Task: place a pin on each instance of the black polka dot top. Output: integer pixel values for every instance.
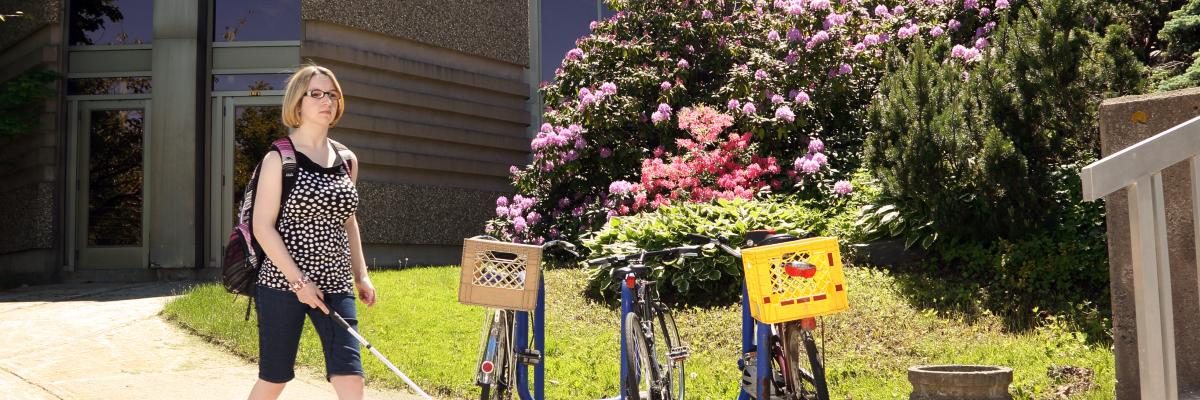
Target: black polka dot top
(312, 224)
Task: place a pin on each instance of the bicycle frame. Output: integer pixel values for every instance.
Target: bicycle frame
(518, 343)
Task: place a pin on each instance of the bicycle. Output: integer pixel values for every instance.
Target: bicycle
(652, 360)
(504, 352)
(775, 350)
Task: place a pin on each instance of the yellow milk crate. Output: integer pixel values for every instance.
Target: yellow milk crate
(500, 274)
(781, 288)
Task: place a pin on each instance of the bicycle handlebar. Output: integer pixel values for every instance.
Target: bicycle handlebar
(563, 245)
(722, 242)
(682, 251)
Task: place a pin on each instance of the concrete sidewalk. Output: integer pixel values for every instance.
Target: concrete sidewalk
(107, 341)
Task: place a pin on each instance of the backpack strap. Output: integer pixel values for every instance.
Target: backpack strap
(346, 155)
(287, 154)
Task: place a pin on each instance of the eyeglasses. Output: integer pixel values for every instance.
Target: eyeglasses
(318, 94)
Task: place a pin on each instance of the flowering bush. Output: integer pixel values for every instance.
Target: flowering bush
(647, 95)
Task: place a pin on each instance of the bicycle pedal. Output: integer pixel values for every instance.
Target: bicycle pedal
(679, 353)
(529, 357)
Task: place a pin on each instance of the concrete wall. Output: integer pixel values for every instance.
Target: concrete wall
(29, 178)
(436, 131)
(1118, 130)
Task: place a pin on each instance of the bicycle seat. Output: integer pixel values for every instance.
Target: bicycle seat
(763, 238)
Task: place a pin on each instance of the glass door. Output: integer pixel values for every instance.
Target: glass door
(110, 184)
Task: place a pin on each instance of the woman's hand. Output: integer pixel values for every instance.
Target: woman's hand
(366, 291)
(312, 296)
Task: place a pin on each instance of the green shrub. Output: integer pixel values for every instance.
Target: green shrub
(22, 99)
(713, 277)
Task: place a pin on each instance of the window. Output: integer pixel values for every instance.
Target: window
(564, 21)
(249, 82)
(111, 22)
(256, 20)
(100, 86)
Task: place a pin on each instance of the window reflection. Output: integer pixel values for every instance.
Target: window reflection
(256, 20)
(254, 128)
(118, 85)
(115, 178)
(249, 82)
(111, 22)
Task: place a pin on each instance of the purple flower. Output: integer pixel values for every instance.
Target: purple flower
(519, 224)
(1001, 4)
(958, 51)
(587, 100)
(605, 152)
(820, 158)
(553, 233)
(791, 57)
(908, 31)
(970, 4)
(806, 165)
(592, 25)
(785, 113)
(574, 54)
(815, 145)
(793, 35)
(664, 108)
(871, 39)
(936, 31)
(818, 4)
(954, 25)
(665, 86)
(899, 9)
(620, 187)
(580, 143)
(981, 43)
(575, 129)
(512, 169)
(760, 75)
(817, 38)
(776, 99)
(662, 114)
(802, 98)
(882, 11)
(564, 202)
(842, 188)
(533, 218)
(682, 64)
(502, 201)
(734, 104)
(546, 127)
(608, 88)
(501, 211)
(984, 12)
(577, 212)
(706, 14)
(773, 35)
(845, 69)
(749, 109)
(834, 19)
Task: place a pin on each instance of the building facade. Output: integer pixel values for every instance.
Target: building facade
(164, 106)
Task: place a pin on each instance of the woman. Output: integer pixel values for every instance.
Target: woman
(314, 252)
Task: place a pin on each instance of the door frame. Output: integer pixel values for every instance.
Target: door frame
(80, 256)
(220, 164)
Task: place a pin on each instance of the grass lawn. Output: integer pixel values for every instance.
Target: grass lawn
(421, 327)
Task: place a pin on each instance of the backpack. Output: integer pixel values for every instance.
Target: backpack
(243, 255)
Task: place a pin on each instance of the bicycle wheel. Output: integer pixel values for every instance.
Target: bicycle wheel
(501, 374)
(640, 375)
(798, 346)
(666, 340)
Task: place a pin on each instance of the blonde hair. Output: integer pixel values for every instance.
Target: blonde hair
(298, 85)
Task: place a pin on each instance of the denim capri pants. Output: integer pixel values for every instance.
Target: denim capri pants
(280, 321)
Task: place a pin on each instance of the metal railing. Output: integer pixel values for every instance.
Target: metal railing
(1139, 168)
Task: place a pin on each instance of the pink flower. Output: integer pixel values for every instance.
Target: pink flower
(574, 54)
(605, 152)
(785, 113)
(958, 51)
(760, 75)
(546, 127)
(815, 145)
(871, 39)
(817, 38)
(981, 43)
(899, 9)
(533, 218)
(620, 187)
(776, 99)
(734, 104)
(608, 88)
(1001, 4)
(954, 25)
(936, 31)
(501, 211)
(882, 11)
(682, 64)
(793, 35)
(820, 159)
(818, 4)
(706, 14)
(834, 20)
(501, 201)
(749, 109)
(802, 98)
(665, 85)
(773, 35)
(984, 12)
(519, 224)
(842, 188)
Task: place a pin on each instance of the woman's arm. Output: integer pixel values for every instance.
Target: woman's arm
(266, 212)
(358, 262)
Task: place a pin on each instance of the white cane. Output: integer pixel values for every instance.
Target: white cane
(377, 354)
